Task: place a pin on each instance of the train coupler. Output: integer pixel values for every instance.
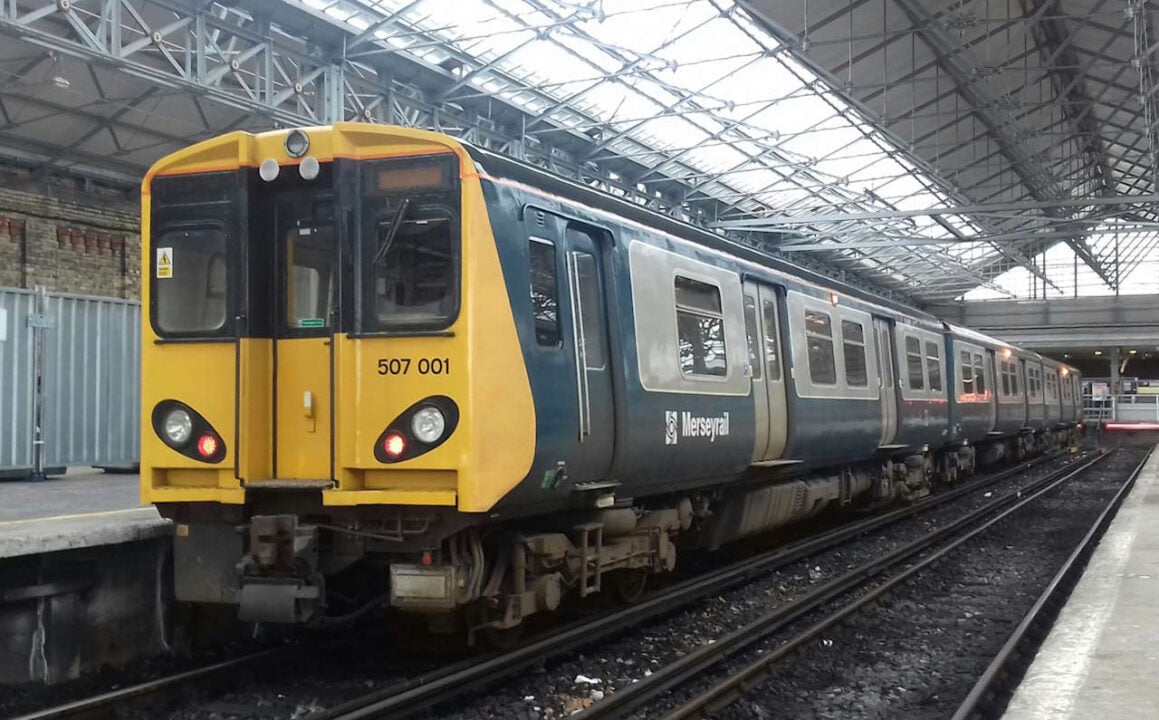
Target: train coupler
(280, 581)
(289, 600)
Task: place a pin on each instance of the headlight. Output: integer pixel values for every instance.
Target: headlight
(297, 143)
(178, 427)
(428, 424)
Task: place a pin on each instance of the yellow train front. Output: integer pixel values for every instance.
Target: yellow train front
(314, 315)
(340, 413)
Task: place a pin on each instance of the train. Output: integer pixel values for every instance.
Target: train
(385, 370)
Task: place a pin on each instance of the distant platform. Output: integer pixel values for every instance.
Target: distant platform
(82, 508)
(1102, 655)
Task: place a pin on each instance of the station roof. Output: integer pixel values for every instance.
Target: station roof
(924, 150)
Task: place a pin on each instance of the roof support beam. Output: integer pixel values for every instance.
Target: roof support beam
(773, 223)
(943, 48)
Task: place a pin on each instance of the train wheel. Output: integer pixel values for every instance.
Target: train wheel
(629, 585)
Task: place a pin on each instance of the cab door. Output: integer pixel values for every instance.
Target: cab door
(586, 293)
(304, 285)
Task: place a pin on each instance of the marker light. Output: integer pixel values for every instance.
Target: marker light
(428, 424)
(1065, 372)
(1006, 352)
(309, 167)
(178, 427)
(394, 444)
(297, 143)
(269, 170)
(207, 445)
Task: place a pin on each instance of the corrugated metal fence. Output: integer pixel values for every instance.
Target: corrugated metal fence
(86, 353)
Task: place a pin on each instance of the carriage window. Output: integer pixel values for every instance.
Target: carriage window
(591, 315)
(750, 329)
(934, 365)
(913, 361)
(979, 375)
(700, 326)
(1013, 378)
(853, 343)
(544, 293)
(966, 372)
(414, 277)
(191, 294)
(769, 313)
(819, 336)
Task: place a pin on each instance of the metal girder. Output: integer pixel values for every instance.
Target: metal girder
(984, 108)
(1141, 24)
(782, 222)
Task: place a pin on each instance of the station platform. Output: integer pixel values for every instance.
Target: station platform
(82, 508)
(1100, 658)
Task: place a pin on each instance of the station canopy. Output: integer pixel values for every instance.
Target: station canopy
(926, 150)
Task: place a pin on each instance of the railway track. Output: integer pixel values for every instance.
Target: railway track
(991, 692)
(409, 701)
(419, 692)
(833, 602)
(158, 691)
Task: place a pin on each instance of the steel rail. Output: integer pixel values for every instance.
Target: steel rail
(106, 704)
(417, 694)
(979, 702)
(723, 693)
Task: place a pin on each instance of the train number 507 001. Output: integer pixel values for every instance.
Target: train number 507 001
(424, 366)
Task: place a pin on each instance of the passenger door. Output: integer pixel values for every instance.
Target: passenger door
(883, 340)
(586, 285)
(772, 426)
(305, 287)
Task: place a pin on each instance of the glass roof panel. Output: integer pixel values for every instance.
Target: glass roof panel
(696, 91)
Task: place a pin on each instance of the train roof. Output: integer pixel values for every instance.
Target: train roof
(501, 166)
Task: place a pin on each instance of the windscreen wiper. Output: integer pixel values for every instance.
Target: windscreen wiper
(395, 224)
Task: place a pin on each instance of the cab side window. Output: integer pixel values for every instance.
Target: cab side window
(544, 293)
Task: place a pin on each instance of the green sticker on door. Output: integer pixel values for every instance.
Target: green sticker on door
(311, 323)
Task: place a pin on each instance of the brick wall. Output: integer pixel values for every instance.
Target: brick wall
(70, 237)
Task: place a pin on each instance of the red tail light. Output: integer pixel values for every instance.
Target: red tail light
(207, 445)
(394, 444)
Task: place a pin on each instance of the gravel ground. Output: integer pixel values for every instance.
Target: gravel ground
(917, 653)
(347, 663)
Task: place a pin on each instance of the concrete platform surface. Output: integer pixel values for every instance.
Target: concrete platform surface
(1101, 659)
(80, 490)
(82, 508)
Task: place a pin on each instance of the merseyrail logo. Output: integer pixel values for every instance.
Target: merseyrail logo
(693, 426)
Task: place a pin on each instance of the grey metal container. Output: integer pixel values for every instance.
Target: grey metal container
(89, 397)
(16, 380)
